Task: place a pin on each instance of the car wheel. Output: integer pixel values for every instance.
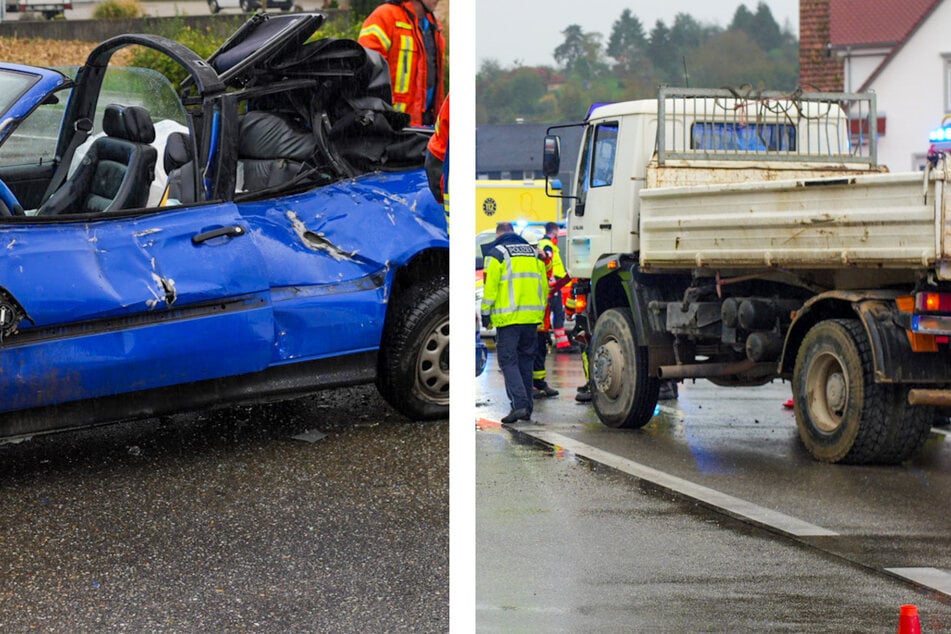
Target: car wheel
(413, 370)
(213, 6)
(624, 394)
(246, 6)
(842, 414)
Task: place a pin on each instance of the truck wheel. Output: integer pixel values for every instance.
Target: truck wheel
(413, 368)
(841, 413)
(624, 394)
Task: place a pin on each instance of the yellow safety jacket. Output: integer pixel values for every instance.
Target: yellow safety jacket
(516, 284)
(555, 265)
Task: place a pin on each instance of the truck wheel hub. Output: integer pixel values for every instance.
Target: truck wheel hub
(827, 392)
(607, 366)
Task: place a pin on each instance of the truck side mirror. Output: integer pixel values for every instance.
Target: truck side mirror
(551, 156)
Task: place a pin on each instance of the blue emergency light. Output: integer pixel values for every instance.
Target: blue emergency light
(940, 135)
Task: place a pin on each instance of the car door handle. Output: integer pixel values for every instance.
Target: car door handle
(232, 232)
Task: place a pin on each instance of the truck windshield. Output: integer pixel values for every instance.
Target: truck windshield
(749, 137)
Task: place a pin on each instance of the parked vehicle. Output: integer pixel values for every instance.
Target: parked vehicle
(248, 6)
(49, 9)
(289, 249)
(747, 238)
(515, 201)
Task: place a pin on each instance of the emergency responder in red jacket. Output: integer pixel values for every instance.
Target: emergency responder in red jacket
(437, 159)
(410, 37)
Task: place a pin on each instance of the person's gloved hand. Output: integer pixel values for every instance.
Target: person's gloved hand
(486, 321)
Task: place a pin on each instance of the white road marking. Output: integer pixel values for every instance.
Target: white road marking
(732, 505)
(935, 578)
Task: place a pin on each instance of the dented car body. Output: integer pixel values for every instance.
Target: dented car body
(303, 253)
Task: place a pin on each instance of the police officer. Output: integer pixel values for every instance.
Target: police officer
(513, 300)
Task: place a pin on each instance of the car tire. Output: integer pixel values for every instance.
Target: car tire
(413, 368)
(842, 414)
(213, 6)
(246, 6)
(624, 394)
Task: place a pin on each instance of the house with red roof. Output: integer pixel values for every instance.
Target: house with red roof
(898, 49)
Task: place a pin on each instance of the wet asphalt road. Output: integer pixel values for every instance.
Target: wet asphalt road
(565, 543)
(224, 522)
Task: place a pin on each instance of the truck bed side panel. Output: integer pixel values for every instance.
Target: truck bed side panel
(884, 220)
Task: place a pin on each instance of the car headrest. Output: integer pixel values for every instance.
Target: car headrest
(178, 151)
(132, 123)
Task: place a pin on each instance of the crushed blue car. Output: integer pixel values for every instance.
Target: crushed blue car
(262, 230)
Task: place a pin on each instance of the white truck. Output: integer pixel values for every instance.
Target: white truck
(49, 9)
(744, 238)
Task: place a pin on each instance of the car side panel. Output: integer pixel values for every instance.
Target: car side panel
(332, 254)
(124, 304)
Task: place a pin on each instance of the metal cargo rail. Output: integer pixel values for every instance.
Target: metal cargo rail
(747, 125)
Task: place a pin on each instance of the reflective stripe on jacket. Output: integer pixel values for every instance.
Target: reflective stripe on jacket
(516, 285)
(555, 266)
(393, 30)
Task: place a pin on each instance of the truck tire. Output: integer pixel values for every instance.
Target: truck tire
(842, 414)
(413, 367)
(624, 394)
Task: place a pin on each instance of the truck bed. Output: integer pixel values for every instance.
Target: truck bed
(891, 221)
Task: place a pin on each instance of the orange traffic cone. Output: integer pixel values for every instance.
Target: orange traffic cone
(908, 622)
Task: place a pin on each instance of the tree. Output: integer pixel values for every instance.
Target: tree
(506, 95)
(580, 53)
(628, 44)
(662, 53)
(749, 65)
(761, 27)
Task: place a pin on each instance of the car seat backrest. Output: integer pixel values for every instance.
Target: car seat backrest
(180, 166)
(116, 171)
(272, 149)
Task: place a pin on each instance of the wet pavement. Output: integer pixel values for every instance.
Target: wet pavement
(711, 518)
(226, 522)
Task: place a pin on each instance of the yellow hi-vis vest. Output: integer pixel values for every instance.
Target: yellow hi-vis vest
(556, 267)
(516, 285)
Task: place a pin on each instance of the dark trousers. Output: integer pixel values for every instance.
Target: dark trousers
(538, 365)
(557, 310)
(515, 347)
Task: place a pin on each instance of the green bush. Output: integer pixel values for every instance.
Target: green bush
(202, 42)
(114, 9)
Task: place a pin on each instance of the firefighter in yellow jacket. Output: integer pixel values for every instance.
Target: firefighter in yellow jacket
(513, 301)
(558, 280)
(410, 37)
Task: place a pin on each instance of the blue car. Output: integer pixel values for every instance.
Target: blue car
(260, 230)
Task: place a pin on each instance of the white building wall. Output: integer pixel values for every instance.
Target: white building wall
(858, 66)
(910, 92)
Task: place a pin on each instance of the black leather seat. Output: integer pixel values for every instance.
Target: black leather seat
(180, 167)
(272, 149)
(116, 171)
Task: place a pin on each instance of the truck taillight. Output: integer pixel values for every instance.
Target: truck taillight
(933, 303)
(581, 302)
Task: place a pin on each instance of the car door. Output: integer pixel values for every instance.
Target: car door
(118, 304)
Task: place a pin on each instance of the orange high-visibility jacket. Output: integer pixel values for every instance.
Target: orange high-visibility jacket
(393, 31)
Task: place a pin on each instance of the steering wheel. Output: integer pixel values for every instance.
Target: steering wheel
(9, 205)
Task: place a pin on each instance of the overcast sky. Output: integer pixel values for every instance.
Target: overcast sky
(528, 31)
